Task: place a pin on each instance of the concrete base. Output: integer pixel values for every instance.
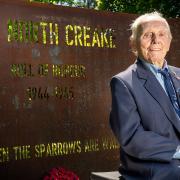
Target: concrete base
(113, 175)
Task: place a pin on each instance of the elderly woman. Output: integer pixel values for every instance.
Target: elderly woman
(145, 114)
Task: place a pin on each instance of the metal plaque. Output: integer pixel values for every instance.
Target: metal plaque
(55, 67)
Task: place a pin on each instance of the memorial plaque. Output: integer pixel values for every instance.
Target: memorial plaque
(55, 66)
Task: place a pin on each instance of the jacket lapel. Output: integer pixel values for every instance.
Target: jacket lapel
(157, 92)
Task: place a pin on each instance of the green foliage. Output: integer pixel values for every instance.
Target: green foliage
(169, 8)
(61, 2)
(74, 3)
(86, 3)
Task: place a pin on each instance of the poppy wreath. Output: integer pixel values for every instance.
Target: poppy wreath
(60, 173)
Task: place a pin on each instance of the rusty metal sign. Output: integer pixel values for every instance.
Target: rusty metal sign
(55, 67)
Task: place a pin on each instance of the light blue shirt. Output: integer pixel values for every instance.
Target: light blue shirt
(154, 69)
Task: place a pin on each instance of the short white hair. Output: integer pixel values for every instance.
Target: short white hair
(153, 16)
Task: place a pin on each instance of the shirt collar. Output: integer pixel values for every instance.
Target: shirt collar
(153, 68)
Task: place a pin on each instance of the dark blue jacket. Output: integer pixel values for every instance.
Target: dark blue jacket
(144, 122)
